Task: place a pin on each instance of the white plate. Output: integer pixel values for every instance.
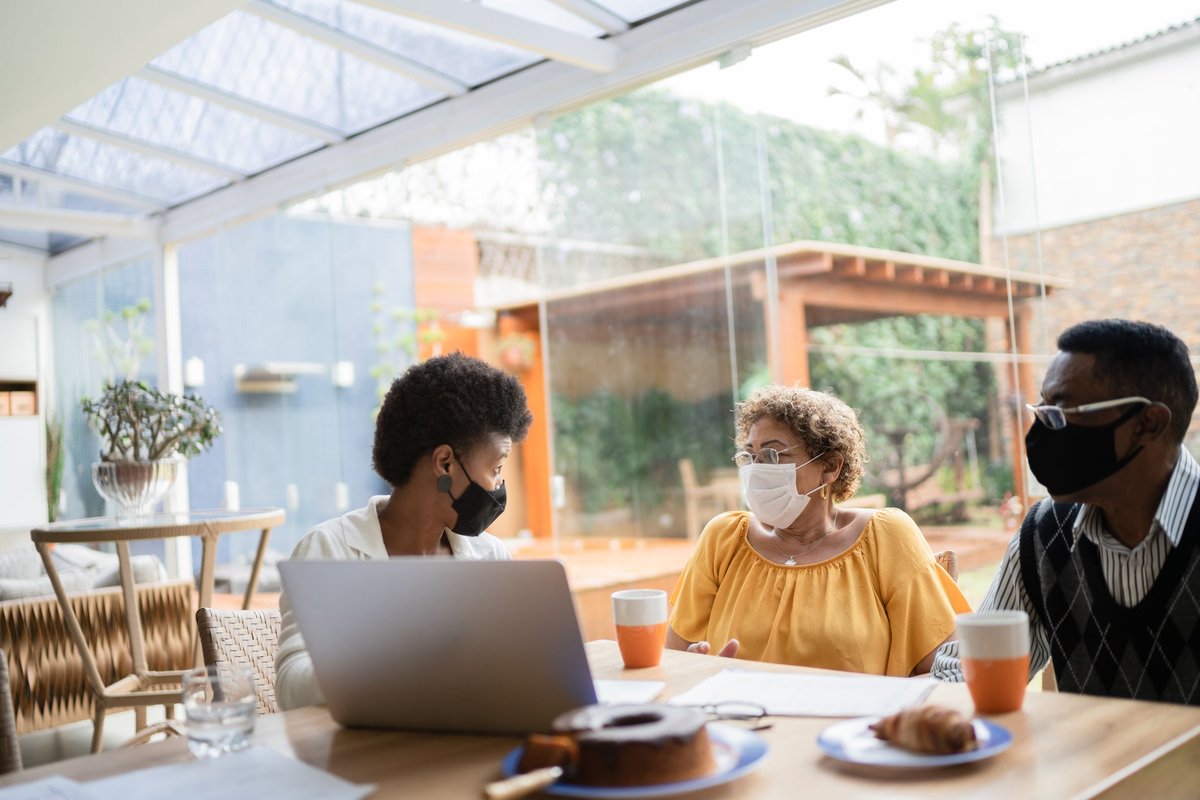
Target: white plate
(737, 751)
(854, 742)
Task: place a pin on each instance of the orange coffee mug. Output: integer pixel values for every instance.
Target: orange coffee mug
(994, 649)
(641, 619)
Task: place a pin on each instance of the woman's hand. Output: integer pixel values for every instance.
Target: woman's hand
(728, 651)
(677, 642)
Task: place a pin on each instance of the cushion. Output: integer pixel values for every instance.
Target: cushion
(21, 563)
(106, 566)
(146, 569)
(25, 588)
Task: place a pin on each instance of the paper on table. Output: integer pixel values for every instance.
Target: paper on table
(809, 695)
(614, 692)
(259, 772)
(53, 788)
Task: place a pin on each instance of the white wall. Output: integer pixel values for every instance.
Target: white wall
(22, 441)
(30, 296)
(1105, 141)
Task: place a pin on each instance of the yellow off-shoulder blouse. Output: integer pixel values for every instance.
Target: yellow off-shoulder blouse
(879, 607)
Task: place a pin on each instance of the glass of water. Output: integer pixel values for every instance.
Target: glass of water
(218, 705)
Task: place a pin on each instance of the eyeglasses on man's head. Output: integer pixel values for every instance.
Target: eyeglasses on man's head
(1055, 417)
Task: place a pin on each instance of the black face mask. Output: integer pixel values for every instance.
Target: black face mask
(477, 507)
(1077, 456)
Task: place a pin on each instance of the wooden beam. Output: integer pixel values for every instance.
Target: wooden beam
(808, 263)
(850, 267)
(908, 273)
(937, 277)
(898, 298)
(881, 270)
(962, 280)
(793, 338)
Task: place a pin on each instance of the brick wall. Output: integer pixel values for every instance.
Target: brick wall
(1143, 265)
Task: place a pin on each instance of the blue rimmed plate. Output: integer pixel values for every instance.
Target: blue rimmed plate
(854, 742)
(737, 751)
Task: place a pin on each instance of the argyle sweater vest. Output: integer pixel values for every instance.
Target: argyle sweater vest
(1150, 651)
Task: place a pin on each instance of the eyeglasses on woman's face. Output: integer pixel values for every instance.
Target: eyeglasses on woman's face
(765, 455)
(1055, 417)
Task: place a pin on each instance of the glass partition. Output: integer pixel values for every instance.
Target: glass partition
(284, 340)
(103, 329)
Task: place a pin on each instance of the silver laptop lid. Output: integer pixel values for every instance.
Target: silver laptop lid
(441, 644)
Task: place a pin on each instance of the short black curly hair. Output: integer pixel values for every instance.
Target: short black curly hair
(454, 399)
(1139, 358)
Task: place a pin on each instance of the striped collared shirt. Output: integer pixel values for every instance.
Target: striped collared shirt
(1129, 573)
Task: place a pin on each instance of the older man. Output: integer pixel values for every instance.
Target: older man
(1108, 567)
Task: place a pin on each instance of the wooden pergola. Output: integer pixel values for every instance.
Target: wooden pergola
(817, 284)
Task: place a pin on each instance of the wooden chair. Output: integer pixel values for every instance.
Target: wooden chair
(244, 639)
(949, 562)
(10, 748)
(722, 494)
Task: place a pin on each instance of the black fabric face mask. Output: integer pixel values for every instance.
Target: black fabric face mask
(1075, 457)
(477, 507)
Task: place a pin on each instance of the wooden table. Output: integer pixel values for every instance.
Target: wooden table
(1065, 746)
(145, 687)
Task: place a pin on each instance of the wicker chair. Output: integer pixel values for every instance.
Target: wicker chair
(10, 749)
(244, 639)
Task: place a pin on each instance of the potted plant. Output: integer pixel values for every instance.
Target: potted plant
(146, 433)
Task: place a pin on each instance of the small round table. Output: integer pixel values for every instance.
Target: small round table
(145, 687)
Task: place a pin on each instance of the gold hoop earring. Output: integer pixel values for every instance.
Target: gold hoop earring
(824, 492)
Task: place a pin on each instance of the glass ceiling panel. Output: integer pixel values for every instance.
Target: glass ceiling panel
(33, 193)
(64, 241)
(638, 10)
(155, 114)
(37, 240)
(249, 56)
(103, 164)
(546, 13)
(468, 59)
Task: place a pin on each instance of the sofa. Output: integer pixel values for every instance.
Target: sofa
(46, 675)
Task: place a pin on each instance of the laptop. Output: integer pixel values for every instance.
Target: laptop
(439, 644)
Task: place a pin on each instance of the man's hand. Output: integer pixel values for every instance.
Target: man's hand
(728, 651)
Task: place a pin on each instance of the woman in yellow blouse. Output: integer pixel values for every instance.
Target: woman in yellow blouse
(799, 580)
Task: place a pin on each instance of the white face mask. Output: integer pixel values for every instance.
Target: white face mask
(770, 492)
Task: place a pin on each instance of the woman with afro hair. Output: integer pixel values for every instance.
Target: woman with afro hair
(442, 436)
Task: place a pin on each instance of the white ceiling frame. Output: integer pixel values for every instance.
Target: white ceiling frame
(306, 26)
(46, 178)
(20, 251)
(244, 105)
(596, 55)
(147, 149)
(687, 38)
(78, 223)
(597, 15)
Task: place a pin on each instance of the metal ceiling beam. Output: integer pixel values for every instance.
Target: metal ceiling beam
(21, 252)
(307, 26)
(78, 223)
(683, 39)
(77, 186)
(147, 149)
(244, 105)
(596, 55)
(595, 14)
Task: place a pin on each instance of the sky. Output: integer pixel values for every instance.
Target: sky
(789, 78)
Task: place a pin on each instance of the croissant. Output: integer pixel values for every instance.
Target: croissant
(928, 729)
